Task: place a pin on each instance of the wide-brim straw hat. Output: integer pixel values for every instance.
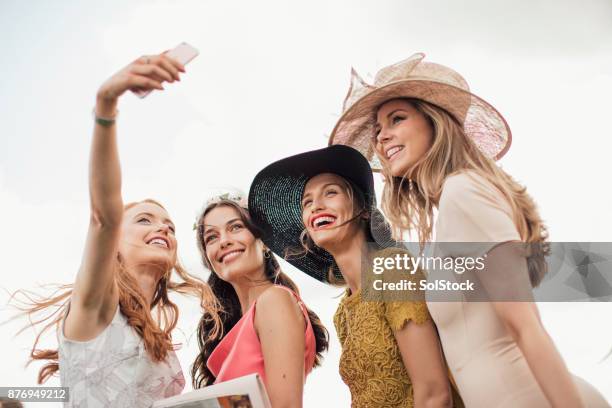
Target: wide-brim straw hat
(275, 205)
(433, 83)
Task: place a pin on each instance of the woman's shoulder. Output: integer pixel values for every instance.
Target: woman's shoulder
(279, 302)
(277, 295)
(278, 309)
(471, 189)
(462, 182)
(472, 208)
(116, 321)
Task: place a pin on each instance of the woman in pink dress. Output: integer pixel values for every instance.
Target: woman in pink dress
(262, 325)
(436, 144)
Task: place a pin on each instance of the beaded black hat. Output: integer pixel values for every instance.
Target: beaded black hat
(275, 204)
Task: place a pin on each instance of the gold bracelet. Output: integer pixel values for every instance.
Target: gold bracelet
(106, 122)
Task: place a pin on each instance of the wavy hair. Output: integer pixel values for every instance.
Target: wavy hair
(410, 207)
(155, 332)
(216, 323)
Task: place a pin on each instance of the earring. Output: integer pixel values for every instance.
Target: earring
(267, 254)
(365, 214)
(410, 185)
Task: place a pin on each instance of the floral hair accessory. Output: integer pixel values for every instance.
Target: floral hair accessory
(236, 196)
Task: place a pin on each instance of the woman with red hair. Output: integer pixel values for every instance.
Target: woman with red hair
(112, 351)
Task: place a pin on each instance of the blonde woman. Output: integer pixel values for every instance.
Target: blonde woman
(436, 143)
(113, 349)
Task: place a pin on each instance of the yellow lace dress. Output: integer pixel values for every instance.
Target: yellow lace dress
(371, 363)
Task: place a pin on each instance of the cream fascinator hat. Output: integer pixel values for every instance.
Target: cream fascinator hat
(433, 83)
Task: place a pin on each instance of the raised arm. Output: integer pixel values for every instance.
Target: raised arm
(95, 297)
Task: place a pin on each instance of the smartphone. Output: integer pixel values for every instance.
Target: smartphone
(183, 53)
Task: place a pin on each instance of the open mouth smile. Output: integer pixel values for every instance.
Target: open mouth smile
(159, 241)
(392, 151)
(230, 256)
(322, 221)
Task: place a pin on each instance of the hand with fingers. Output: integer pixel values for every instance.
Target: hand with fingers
(144, 74)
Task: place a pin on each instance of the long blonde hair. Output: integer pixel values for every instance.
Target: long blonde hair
(410, 207)
(155, 332)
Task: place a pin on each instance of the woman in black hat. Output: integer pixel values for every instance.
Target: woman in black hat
(318, 210)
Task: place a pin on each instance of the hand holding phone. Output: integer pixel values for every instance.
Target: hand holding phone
(183, 53)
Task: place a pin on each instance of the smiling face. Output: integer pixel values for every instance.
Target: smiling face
(327, 205)
(403, 135)
(233, 252)
(147, 237)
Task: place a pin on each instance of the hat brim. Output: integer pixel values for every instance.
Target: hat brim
(481, 122)
(275, 204)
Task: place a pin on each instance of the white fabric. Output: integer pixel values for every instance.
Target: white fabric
(114, 369)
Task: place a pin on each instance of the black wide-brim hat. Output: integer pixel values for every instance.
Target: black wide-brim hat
(275, 204)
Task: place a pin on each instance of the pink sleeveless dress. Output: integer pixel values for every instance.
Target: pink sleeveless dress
(239, 353)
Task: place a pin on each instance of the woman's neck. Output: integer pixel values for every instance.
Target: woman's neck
(248, 290)
(147, 277)
(348, 259)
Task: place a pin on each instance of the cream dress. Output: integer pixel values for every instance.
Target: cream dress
(487, 364)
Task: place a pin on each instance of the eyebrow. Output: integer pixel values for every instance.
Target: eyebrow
(233, 220)
(390, 114)
(167, 220)
(324, 185)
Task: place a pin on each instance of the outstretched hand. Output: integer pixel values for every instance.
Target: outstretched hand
(145, 73)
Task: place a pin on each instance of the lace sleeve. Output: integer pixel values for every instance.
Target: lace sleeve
(400, 313)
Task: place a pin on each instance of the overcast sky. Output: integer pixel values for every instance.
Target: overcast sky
(269, 83)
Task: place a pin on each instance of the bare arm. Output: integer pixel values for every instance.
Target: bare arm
(523, 321)
(542, 356)
(422, 357)
(417, 339)
(95, 295)
(280, 325)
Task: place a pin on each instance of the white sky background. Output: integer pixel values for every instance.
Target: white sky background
(269, 83)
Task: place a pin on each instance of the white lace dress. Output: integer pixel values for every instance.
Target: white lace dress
(113, 369)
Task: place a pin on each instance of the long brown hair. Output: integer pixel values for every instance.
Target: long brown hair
(155, 332)
(216, 323)
(410, 208)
